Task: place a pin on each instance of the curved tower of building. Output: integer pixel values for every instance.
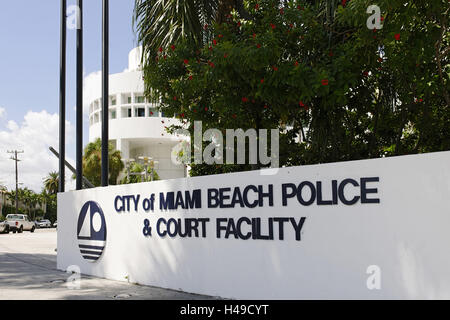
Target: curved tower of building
(136, 127)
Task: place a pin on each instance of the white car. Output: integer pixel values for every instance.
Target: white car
(19, 223)
(4, 227)
(55, 224)
(44, 224)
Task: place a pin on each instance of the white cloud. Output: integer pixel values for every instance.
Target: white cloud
(2, 112)
(37, 132)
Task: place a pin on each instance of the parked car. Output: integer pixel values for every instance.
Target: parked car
(4, 227)
(55, 224)
(19, 223)
(44, 223)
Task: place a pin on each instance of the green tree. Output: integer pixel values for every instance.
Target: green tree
(139, 168)
(161, 23)
(336, 90)
(50, 202)
(51, 183)
(92, 163)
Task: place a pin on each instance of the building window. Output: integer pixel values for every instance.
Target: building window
(113, 114)
(129, 113)
(152, 112)
(113, 101)
(139, 112)
(140, 99)
(129, 100)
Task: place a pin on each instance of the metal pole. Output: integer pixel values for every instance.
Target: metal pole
(105, 94)
(79, 151)
(87, 183)
(62, 97)
(17, 183)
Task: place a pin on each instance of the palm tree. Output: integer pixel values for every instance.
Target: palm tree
(3, 194)
(92, 163)
(34, 200)
(26, 195)
(51, 183)
(160, 23)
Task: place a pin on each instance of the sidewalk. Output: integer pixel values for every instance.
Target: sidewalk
(28, 272)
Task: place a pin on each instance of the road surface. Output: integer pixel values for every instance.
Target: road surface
(28, 272)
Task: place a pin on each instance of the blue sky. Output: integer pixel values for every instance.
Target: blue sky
(29, 63)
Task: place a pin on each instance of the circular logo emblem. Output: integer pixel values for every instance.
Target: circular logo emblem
(91, 231)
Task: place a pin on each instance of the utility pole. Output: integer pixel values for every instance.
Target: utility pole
(16, 159)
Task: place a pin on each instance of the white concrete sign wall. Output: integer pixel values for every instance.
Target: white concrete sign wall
(367, 229)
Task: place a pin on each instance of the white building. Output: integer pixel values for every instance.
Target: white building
(136, 127)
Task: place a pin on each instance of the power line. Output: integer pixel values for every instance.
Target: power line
(16, 160)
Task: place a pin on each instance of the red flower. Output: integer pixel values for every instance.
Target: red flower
(186, 61)
(211, 64)
(257, 6)
(299, 7)
(151, 113)
(365, 73)
(225, 55)
(258, 45)
(301, 104)
(215, 42)
(275, 68)
(239, 24)
(206, 26)
(344, 2)
(210, 48)
(272, 26)
(172, 47)
(254, 35)
(397, 36)
(265, 107)
(160, 49)
(206, 109)
(190, 77)
(244, 99)
(325, 82)
(262, 80)
(382, 18)
(234, 116)
(175, 98)
(331, 53)
(182, 115)
(220, 36)
(281, 11)
(291, 25)
(296, 63)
